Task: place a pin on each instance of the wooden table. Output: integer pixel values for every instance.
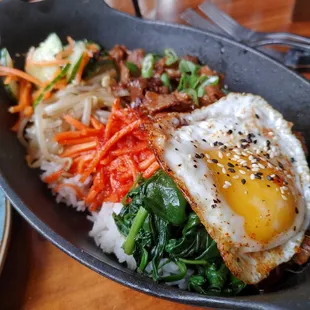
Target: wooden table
(38, 276)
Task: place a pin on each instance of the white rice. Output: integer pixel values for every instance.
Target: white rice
(106, 234)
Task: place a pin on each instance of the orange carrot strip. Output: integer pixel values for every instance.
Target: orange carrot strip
(56, 62)
(74, 187)
(85, 59)
(67, 135)
(107, 146)
(95, 123)
(136, 149)
(75, 123)
(53, 176)
(147, 162)
(74, 149)
(131, 165)
(24, 97)
(21, 74)
(77, 141)
(151, 170)
(108, 129)
(28, 111)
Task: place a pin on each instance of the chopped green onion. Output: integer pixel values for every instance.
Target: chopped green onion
(132, 67)
(171, 55)
(186, 66)
(165, 79)
(193, 261)
(144, 260)
(193, 95)
(212, 80)
(147, 66)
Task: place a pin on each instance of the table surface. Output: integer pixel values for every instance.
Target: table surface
(38, 276)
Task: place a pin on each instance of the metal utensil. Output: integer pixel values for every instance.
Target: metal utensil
(248, 36)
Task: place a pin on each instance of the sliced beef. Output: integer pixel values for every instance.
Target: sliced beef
(213, 93)
(154, 103)
(118, 53)
(136, 57)
(193, 59)
(124, 72)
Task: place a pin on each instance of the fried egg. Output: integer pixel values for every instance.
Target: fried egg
(245, 174)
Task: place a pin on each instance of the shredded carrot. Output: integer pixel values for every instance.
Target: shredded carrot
(95, 123)
(53, 176)
(107, 146)
(151, 170)
(77, 141)
(85, 59)
(68, 135)
(56, 62)
(24, 97)
(20, 74)
(74, 187)
(147, 162)
(75, 123)
(75, 149)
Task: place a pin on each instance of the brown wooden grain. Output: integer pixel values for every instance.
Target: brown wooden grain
(38, 276)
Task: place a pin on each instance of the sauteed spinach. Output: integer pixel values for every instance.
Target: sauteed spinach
(158, 224)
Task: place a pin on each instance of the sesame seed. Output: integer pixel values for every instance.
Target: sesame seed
(244, 154)
(220, 165)
(230, 165)
(209, 161)
(243, 181)
(292, 159)
(232, 170)
(229, 132)
(269, 165)
(255, 141)
(224, 170)
(215, 143)
(220, 154)
(240, 133)
(277, 189)
(179, 165)
(202, 155)
(213, 206)
(257, 176)
(284, 198)
(281, 190)
(272, 175)
(285, 188)
(228, 154)
(243, 140)
(251, 157)
(220, 143)
(236, 176)
(204, 140)
(296, 210)
(242, 172)
(256, 116)
(236, 156)
(176, 149)
(261, 166)
(195, 166)
(289, 176)
(207, 155)
(238, 145)
(270, 133)
(215, 160)
(255, 169)
(226, 184)
(252, 176)
(254, 165)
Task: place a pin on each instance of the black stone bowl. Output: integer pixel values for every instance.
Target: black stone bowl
(23, 25)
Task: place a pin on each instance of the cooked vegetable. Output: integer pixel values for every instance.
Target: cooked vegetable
(171, 56)
(76, 60)
(147, 66)
(40, 60)
(175, 234)
(10, 86)
(133, 68)
(166, 81)
(51, 85)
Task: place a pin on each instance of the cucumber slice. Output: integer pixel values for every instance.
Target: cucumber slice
(12, 88)
(51, 85)
(75, 60)
(46, 51)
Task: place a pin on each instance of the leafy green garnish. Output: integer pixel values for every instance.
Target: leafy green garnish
(186, 66)
(133, 68)
(171, 56)
(147, 66)
(165, 79)
(212, 80)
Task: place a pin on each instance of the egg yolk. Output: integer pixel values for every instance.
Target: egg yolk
(258, 191)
